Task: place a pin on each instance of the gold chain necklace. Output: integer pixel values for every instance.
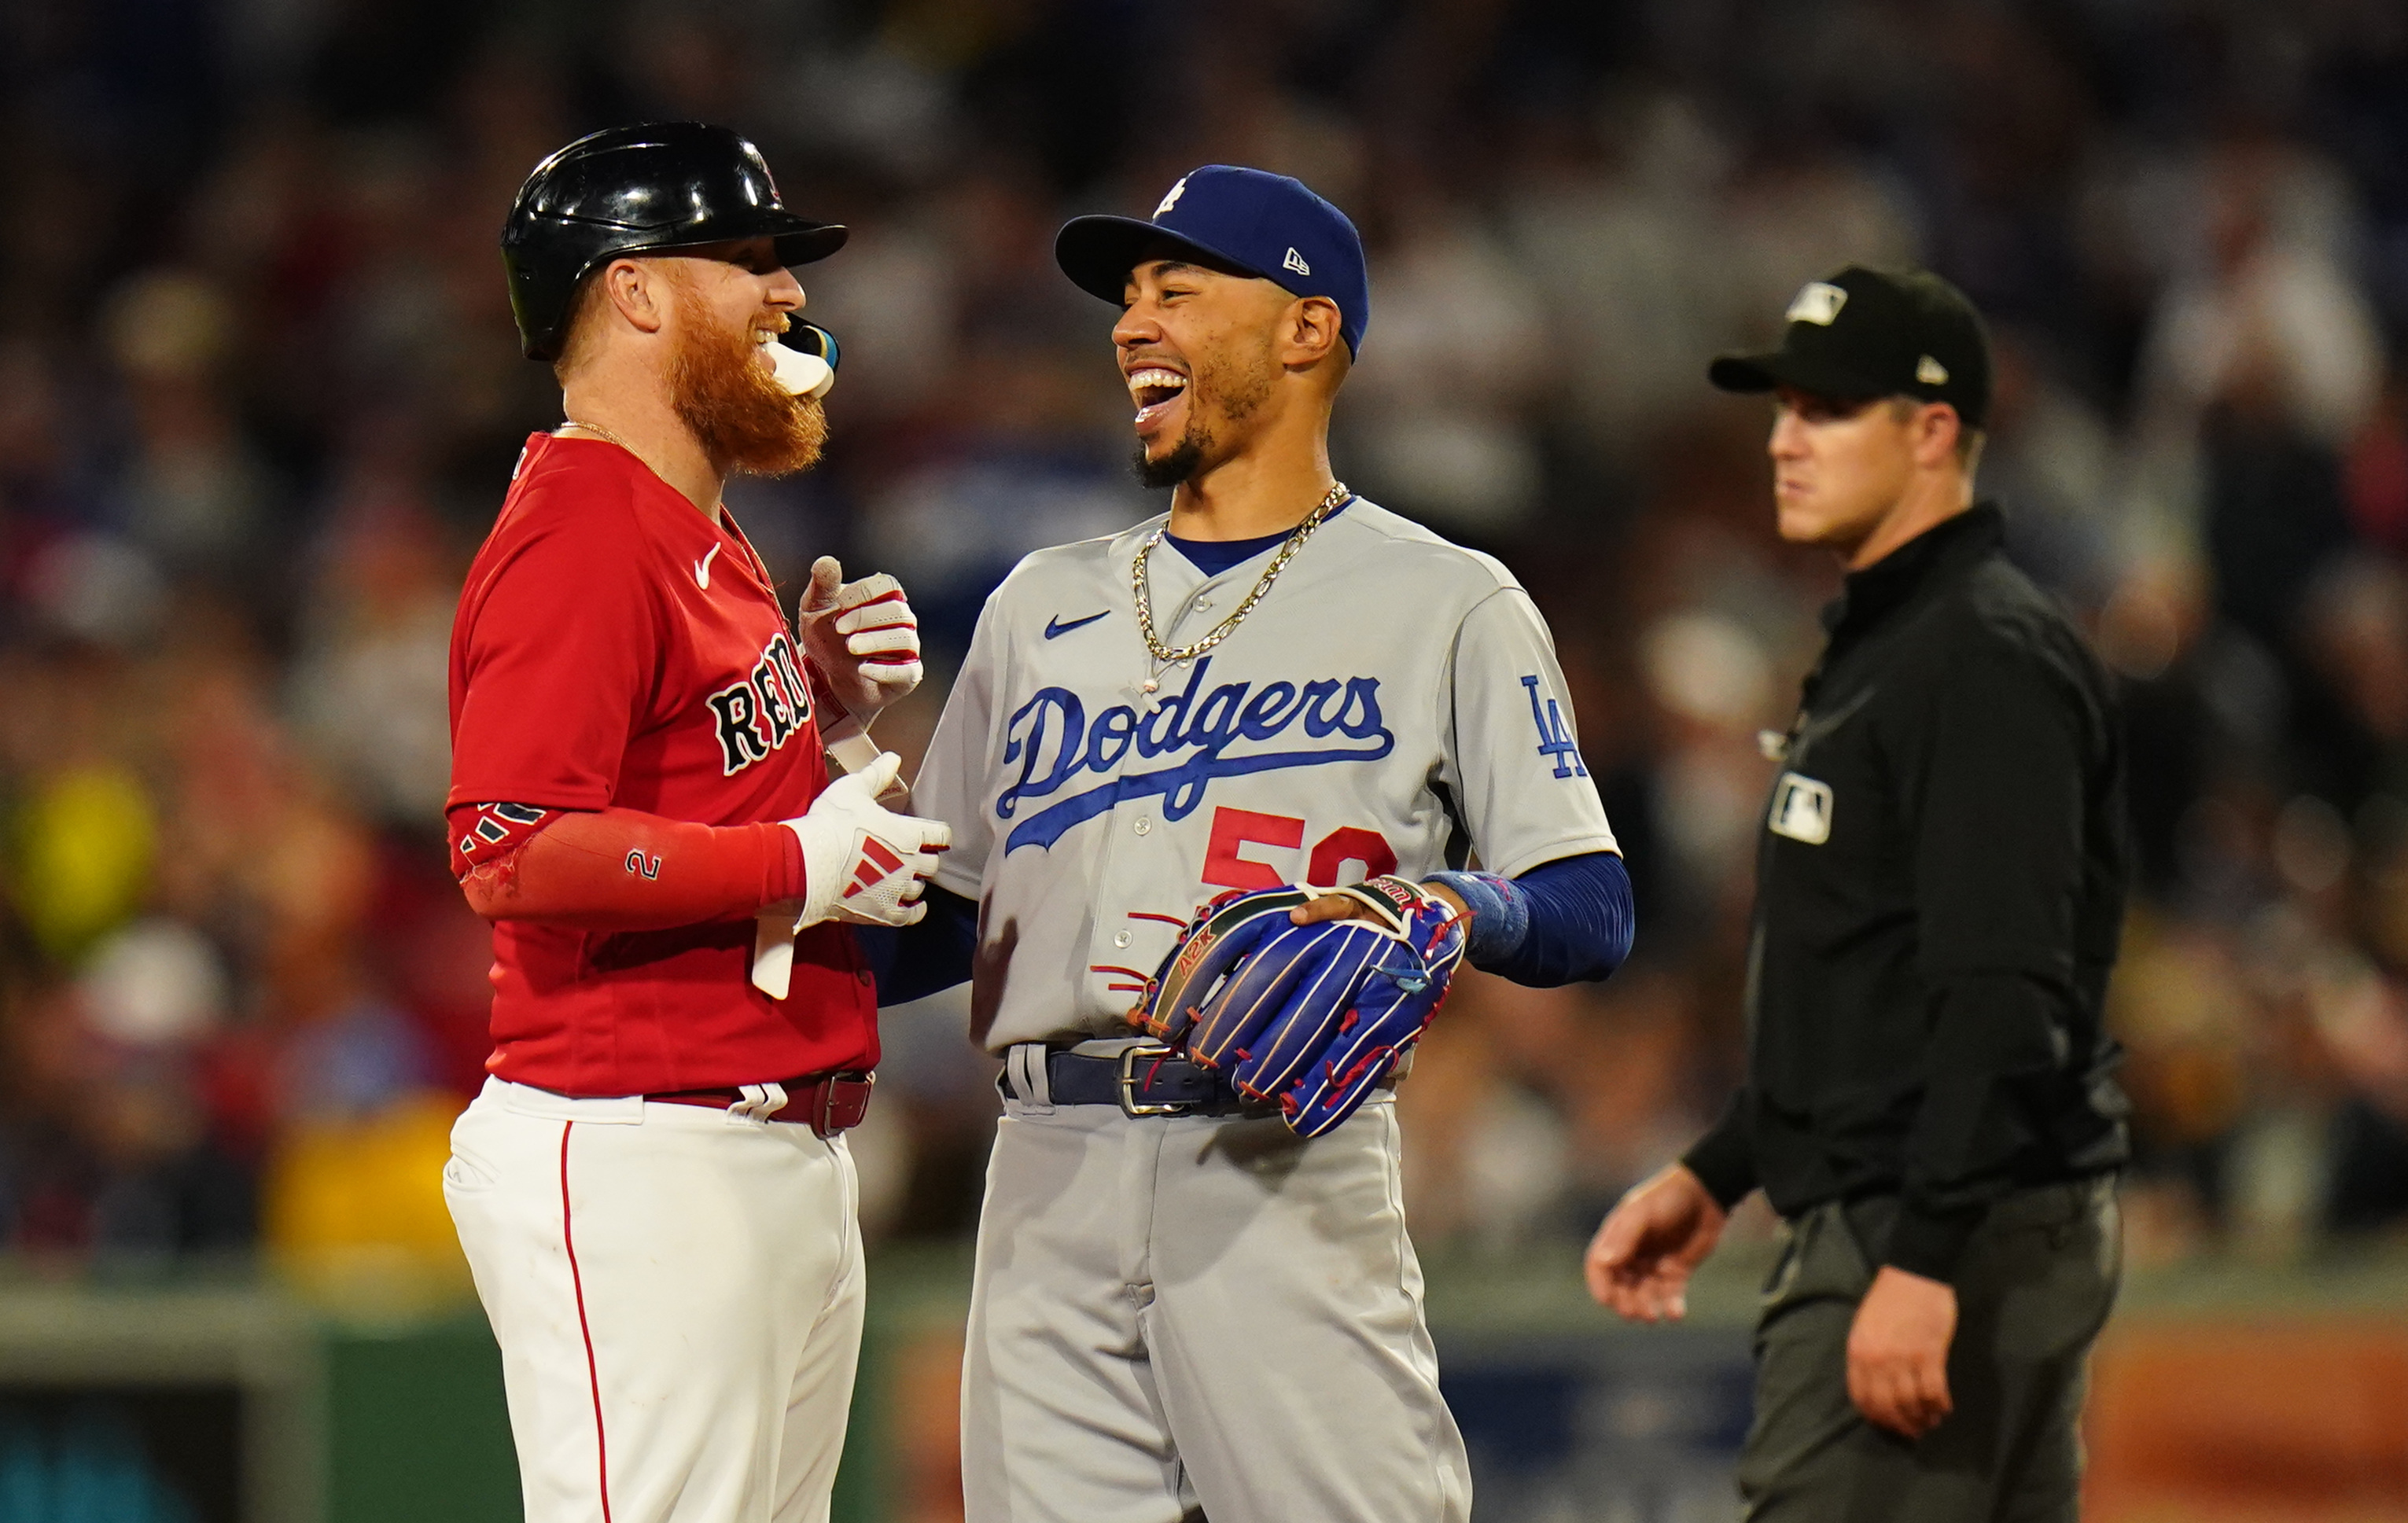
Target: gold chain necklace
(599, 431)
(1173, 655)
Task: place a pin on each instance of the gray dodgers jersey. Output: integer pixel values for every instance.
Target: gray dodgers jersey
(1392, 705)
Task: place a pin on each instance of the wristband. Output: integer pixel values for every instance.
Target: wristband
(1500, 913)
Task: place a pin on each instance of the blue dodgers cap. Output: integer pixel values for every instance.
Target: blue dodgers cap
(1265, 224)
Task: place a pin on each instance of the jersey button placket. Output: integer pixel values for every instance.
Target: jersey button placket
(1118, 883)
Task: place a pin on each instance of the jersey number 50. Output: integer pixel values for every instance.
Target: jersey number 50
(1332, 855)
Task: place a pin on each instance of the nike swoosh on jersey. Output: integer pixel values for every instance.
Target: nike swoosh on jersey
(702, 569)
(1055, 627)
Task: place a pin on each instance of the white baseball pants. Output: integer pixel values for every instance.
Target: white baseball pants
(1184, 1317)
(677, 1292)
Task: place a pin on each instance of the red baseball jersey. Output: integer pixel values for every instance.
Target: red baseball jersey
(615, 647)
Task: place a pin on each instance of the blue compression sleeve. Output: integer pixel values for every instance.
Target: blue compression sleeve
(910, 961)
(1566, 921)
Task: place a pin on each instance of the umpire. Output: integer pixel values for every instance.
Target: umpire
(1939, 889)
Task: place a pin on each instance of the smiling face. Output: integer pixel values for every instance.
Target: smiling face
(1201, 351)
(731, 302)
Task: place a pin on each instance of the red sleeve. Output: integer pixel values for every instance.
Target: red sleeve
(561, 654)
(625, 870)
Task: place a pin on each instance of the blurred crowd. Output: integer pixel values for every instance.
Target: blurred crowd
(260, 397)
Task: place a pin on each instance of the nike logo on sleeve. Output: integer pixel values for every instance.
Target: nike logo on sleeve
(702, 569)
(1056, 629)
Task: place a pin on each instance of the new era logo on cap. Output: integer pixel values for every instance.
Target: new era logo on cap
(1295, 261)
(1816, 302)
(1930, 372)
(1172, 199)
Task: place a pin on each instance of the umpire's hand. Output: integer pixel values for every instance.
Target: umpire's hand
(1639, 1262)
(1898, 1352)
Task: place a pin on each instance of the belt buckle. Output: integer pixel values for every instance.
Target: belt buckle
(852, 1091)
(1129, 1103)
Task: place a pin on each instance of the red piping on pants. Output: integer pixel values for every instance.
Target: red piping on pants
(593, 1371)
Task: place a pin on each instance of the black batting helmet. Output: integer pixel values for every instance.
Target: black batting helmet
(648, 189)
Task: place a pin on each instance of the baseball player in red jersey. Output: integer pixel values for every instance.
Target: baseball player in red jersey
(652, 1190)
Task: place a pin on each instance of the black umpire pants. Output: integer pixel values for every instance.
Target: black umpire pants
(2032, 1292)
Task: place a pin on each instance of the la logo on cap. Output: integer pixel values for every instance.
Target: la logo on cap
(1172, 199)
(1295, 261)
(1817, 301)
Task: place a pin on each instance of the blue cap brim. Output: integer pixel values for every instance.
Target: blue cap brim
(1097, 252)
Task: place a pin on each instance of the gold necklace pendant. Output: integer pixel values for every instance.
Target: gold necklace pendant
(1175, 655)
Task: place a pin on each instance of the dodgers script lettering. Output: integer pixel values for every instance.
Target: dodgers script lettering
(1201, 733)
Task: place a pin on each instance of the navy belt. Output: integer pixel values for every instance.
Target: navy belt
(1144, 1079)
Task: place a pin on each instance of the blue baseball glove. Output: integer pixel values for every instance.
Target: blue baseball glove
(1309, 1018)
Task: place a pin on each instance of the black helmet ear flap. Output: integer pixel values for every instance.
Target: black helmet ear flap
(653, 188)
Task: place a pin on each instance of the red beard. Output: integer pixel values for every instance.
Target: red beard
(746, 422)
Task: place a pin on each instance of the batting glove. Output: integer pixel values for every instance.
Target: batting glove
(862, 635)
(862, 862)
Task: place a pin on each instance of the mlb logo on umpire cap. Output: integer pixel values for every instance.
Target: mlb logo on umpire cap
(1817, 301)
(1269, 226)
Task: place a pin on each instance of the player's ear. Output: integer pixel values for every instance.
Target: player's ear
(637, 290)
(1310, 332)
(1935, 433)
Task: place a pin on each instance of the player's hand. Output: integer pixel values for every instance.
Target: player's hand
(862, 637)
(1336, 906)
(1898, 1352)
(862, 862)
(1639, 1262)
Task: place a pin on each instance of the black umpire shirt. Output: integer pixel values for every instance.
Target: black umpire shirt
(1939, 893)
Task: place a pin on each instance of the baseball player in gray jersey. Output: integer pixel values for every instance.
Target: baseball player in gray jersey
(1193, 1292)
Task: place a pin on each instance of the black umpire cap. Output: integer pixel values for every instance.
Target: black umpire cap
(1866, 333)
(649, 189)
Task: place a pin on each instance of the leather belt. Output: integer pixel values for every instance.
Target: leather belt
(828, 1102)
(1144, 1079)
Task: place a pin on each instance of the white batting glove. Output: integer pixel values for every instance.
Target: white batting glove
(862, 635)
(861, 863)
